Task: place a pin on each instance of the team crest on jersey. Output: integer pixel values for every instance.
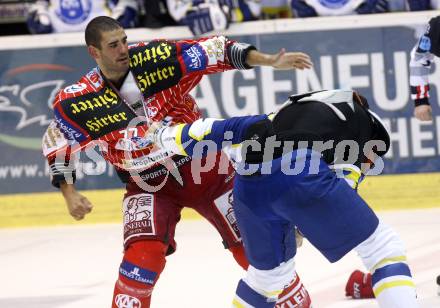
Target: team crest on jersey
(333, 4)
(127, 301)
(77, 87)
(74, 11)
(152, 111)
(95, 78)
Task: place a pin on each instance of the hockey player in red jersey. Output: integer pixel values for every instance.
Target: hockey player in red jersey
(151, 82)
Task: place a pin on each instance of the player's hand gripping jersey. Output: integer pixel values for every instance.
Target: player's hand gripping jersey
(162, 73)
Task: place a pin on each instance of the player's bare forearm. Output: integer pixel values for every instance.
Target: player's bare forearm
(282, 60)
(256, 58)
(67, 189)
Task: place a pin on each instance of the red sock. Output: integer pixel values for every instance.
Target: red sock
(139, 271)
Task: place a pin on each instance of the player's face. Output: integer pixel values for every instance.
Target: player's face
(113, 54)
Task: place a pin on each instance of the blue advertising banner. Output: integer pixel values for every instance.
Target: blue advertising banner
(373, 61)
(29, 81)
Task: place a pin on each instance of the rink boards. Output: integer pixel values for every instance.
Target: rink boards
(385, 192)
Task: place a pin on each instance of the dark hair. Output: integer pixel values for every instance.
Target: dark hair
(98, 25)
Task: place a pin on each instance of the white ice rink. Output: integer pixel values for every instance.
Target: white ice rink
(75, 267)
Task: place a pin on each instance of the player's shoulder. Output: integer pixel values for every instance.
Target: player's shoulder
(90, 83)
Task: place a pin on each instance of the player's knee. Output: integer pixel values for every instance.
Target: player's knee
(383, 254)
(149, 254)
(240, 256)
(139, 271)
(143, 263)
(384, 244)
(270, 283)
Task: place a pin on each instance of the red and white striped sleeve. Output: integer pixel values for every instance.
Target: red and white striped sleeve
(422, 56)
(57, 151)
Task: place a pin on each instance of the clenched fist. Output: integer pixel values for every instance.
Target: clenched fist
(77, 204)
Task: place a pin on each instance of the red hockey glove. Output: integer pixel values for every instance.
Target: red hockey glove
(359, 285)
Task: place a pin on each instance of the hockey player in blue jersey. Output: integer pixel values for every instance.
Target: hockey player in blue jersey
(290, 172)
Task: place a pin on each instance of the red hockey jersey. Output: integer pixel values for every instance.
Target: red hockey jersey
(93, 112)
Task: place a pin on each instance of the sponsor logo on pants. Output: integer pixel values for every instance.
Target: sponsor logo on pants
(138, 215)
(224, 205)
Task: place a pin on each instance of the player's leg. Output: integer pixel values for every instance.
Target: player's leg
(143, 262)
(214, 201)
(149, 226)
(341, 221)
(383, 254)
(295, 294)
(221, 215)
(270, 248)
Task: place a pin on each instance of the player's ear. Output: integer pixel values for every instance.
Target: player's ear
(93, 51)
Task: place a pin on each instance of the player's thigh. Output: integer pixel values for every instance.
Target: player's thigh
(332, 216)
(149, 217)
(267, 242)
(220, 213)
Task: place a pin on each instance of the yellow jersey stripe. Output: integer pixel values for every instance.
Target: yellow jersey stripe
(199, 138)
(179, 129)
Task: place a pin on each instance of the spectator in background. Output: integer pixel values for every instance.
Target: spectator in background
(397, 5)
(271, 9)
(55, 16)
(202, 16)
(423, 5)
(155, 14)
(310, 8)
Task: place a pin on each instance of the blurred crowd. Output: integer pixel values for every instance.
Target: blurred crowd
(200, 16)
